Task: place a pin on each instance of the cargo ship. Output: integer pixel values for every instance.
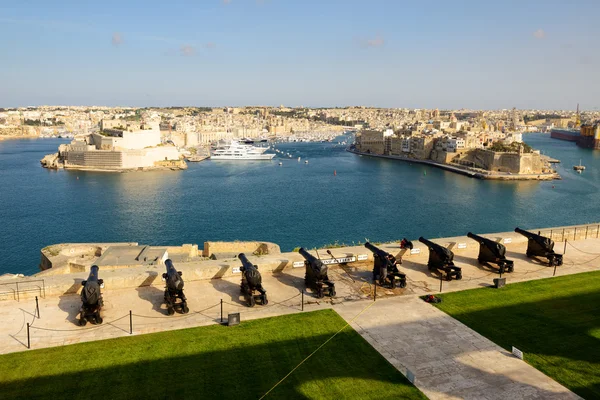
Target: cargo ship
(588, 136)
(571, 135)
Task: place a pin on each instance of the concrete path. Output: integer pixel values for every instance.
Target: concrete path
(448, 359)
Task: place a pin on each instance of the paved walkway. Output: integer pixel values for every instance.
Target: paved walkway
(448, 359)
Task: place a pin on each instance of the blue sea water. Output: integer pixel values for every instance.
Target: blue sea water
(295, 204)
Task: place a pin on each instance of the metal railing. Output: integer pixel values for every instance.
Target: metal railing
(20, 287)
(579, 232)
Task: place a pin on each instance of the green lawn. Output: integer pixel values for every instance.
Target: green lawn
(221, 362)
(555, 322)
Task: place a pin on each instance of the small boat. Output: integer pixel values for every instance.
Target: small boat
(280, 163)
(299, 159)
(306, 162)
(579, 168)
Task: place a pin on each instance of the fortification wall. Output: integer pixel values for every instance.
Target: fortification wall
(67, 279)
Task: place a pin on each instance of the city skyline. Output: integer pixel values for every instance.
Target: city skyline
(380, 54)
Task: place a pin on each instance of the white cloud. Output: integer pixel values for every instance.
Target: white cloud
(377, 41)
(187, 50)
(539, 34)
(117, 39)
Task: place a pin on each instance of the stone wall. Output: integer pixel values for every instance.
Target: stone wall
(527, 163)
(240, 247)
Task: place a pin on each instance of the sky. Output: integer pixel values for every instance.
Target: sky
(527, 54)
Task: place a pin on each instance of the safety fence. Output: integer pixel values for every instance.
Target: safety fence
(31, 327)
(18, 288)
(580, 232)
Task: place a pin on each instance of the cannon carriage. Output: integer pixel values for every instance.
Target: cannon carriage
(441, 259)
(91, 298)
(251, 283)
(315, 276)
(492, 252)
(385, 268)
(174, 297)
(541, 246)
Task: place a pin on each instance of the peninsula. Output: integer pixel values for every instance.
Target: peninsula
(475, 153)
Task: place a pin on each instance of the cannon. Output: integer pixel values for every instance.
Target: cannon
(442, 260)
(316, 275)
(385, 268)
(541, 246)
(251, 282)
(91, 298)
(492, 252)
(174, 297)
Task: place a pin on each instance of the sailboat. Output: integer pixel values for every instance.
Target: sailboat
(579, 168)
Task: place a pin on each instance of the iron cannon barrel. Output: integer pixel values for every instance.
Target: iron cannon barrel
(93, 276)
(428, 242)
(478, 238)
(170, 267)
(307, 256)
(376, 250)
(242, 257)
(525, 233)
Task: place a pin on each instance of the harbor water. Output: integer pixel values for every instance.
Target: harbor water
(336, 196)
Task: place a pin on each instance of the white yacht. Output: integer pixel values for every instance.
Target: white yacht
(240, 151)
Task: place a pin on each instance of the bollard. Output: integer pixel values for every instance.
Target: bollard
(302, 299)
(554, 274)
(37, 307)
(500, 274)
(130, 323)
(575, 234)
(586, 231)
(28, 342)
(565, 249)
(441, 282)
(221, 310)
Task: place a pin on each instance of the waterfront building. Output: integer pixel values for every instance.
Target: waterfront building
(117, 150)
